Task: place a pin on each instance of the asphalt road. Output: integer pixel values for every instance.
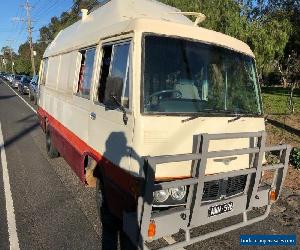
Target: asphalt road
(53, 209)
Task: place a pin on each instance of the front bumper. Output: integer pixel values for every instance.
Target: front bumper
(195, 212)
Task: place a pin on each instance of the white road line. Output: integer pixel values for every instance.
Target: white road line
(22, 99)
(11, 220)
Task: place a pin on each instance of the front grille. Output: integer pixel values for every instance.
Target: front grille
(236, 185)
(213, 190)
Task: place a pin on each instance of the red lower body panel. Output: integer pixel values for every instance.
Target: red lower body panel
(121, 187)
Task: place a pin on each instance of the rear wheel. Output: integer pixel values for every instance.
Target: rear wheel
(31, 97)
(35, 100)
(51, 150)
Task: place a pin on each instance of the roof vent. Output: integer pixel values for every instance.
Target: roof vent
(84, 13)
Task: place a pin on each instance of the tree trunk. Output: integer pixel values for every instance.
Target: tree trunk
(285, 82)
(291, 101)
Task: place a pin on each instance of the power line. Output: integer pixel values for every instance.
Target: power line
(38, 9)
(45, 11)
(20, 26)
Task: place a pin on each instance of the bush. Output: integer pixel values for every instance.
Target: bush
(295, 157)
(273, 78)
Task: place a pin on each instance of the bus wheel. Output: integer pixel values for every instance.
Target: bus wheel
(51, 150)
(30, 96)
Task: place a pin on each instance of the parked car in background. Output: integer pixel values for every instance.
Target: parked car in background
(10, 77)
(6, 76)
(15, 82)
(23, 86)
(33, 89)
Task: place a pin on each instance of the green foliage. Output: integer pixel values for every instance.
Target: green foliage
(23, 61)
(271, 28)
(267, 33)
(275, 100)
(295, 158)
(268, 40)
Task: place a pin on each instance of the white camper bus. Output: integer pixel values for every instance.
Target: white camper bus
(164, 115)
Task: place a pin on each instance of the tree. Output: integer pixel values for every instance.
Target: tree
(268, 39)
(8, 57)
(23, 62)
(266, 35)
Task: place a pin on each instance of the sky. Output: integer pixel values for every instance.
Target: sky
(14, 33)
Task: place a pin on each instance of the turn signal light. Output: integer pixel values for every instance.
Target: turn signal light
(272, 195)
(151, 229)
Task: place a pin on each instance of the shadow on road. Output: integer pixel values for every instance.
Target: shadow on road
(284, 126)
(27, 118)
(4, 97)
(18, 136)
(115, 200)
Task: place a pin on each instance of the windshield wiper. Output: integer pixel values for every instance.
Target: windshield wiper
(191, 118)
(238, 116)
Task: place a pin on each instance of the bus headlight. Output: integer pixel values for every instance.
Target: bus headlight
(161, 195)
(178, 193)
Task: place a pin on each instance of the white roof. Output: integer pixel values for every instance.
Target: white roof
(120, 16)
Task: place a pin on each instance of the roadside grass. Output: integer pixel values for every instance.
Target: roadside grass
(275, 100)
(282, 127)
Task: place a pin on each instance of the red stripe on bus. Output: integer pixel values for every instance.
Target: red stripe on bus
(123, 179)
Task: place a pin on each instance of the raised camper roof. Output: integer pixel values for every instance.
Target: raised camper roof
(121, 16)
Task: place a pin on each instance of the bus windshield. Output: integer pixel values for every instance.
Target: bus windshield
(181, 76)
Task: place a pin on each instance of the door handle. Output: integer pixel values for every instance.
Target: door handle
(93, 116)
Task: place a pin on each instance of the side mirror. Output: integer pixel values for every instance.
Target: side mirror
(113, 94)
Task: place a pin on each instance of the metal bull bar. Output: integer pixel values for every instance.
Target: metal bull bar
(195, 211)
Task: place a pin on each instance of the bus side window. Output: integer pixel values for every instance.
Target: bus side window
(86, 72)
(44, 71)
(115, 68)
(106, 60)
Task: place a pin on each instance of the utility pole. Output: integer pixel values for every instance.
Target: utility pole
(29, 28)
(12, 61)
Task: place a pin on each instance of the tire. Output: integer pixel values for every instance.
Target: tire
(31, 98)
(35, 100)
(51, 150)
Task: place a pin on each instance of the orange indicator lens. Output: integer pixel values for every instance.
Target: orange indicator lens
(151, 229)
(272, 195)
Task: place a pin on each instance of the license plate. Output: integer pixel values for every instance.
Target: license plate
(220, 209)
